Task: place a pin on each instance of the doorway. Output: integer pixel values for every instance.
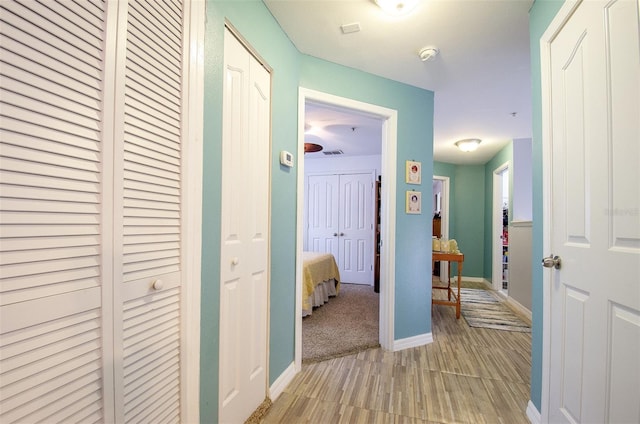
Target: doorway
(441, 211)
(388, 206)
(500, 239)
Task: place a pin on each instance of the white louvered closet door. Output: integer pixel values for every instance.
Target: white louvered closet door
(90, 230)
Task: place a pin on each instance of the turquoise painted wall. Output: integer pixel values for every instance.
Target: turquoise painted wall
(291, 70)
(540, 16)
(469, 217)
(505, 155)
(256, 24)
(415, 142)
(467, 211)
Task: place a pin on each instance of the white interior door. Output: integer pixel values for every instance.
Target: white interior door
(323, 211)
(340, 221)
(92, 235)
(244, 233)
(592, 223)
(355, 253)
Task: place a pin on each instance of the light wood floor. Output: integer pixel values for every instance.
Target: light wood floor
(467, 375)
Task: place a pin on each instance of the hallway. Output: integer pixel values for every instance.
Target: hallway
(467, 375)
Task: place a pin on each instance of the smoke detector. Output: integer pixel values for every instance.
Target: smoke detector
(427, 53)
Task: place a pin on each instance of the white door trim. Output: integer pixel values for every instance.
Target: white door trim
(192, 227)
(388, 210)
(549, 35)
(496, 242)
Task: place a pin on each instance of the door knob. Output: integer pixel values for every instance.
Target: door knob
(341, 234)
(158, 284)
(551, 262)
(335, 234)
(235, 261)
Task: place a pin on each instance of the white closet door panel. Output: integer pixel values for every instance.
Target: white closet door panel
(158, 15)
(12, 73)
(51, 357)
(48, 158)
(45, 116)
(32, 50)
(158, 62)
(148, 162)
(66, 32)
(151, 218)
(11, 174)
(50, 211)
(36, 137)
(151, 352)
(18, 90)
(171, 151)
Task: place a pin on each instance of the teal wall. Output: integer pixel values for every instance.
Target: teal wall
(257, 25)
(415, 142)
(291, 70)
(540, 16)
(503, 156)
(466, 213)
(469, 217)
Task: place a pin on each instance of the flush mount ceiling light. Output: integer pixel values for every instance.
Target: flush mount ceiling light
(397, 7)
(468, 145)
(312, 147)
(427, 53)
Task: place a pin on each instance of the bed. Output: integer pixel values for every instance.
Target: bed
(320, 280)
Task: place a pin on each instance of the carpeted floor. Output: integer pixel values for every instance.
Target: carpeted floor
(481, 308)
(347, 324)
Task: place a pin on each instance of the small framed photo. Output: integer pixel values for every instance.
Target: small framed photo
(414, 172)
(414, 202)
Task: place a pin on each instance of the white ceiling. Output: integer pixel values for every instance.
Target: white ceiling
(480, 78)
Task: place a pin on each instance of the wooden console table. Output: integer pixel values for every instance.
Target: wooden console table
(449, 257)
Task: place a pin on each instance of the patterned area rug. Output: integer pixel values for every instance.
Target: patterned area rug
(480, 308)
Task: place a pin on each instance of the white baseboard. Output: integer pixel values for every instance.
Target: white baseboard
(282, 382)
(533, 414)
(414, 341)
(473, 279)
(518, 307)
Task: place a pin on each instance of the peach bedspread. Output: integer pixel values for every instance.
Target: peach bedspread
(320, 280)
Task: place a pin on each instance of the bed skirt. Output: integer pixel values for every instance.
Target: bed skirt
(320, 296)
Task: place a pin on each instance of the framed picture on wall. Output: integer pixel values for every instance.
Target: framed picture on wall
(414, 202)
(414, 172)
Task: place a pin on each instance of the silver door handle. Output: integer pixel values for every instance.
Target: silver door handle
(551, 262)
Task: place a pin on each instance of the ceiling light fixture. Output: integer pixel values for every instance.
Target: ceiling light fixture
(427, 53)
(468, 145)
(397, 7)
(312, 147)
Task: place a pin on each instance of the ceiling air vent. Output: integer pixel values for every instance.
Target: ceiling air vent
(333, 152)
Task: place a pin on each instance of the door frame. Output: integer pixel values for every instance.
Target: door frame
(563, 15)
(192, 226)
(389, 119)
(444, 224)
(496, 241)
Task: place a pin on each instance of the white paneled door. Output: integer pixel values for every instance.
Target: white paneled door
(340, 221)
(244, 253)
(593, 226)
(91, 172)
